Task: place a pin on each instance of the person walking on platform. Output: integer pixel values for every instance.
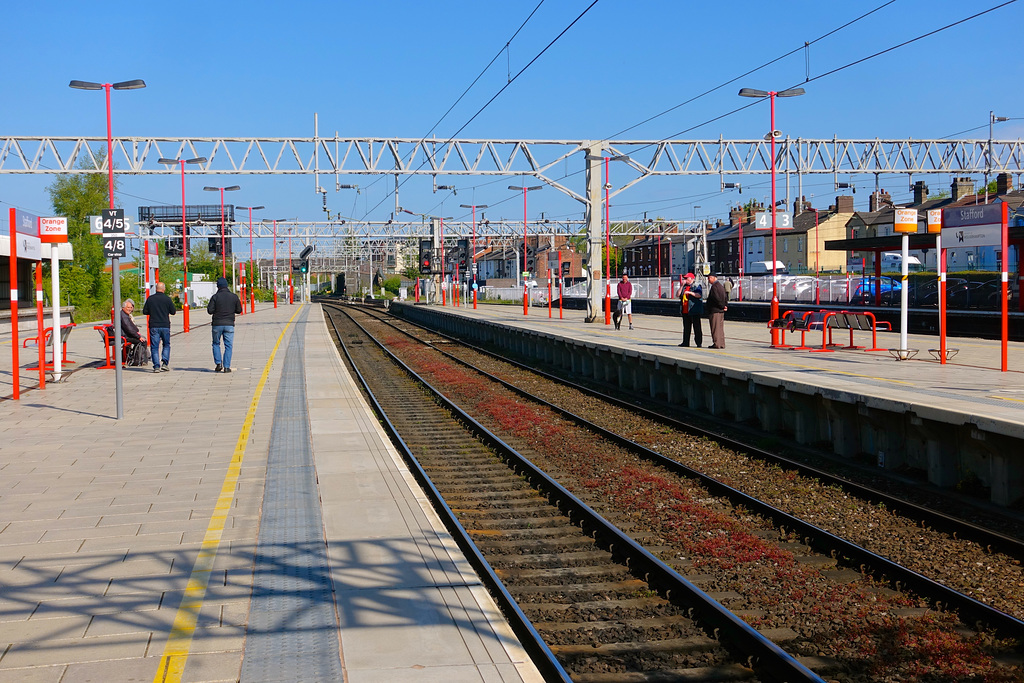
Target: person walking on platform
(718, 304)
(625, 292)
(691, 296)
(223, 306)
(159, 307)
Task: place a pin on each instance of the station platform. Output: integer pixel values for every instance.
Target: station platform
(962, 421)
(253, 526)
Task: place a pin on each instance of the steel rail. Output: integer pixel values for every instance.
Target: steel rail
(767, 657)
(970, 609)
(540, 654)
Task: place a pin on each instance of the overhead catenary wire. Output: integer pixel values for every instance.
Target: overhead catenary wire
(500, 91)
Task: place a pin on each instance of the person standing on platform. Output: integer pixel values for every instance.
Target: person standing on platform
(223, 306)
(625, 292)
(159, 307)
(691, 296)
(718, 304)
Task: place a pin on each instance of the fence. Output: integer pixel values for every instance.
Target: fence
(961, 292)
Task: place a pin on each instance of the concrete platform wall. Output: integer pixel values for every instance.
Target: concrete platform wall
(951, 446)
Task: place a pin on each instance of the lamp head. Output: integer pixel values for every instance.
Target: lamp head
(129, 85)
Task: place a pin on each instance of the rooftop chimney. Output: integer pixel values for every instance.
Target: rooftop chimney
(920, 192)
(844, 203)
(1004, 183)
(961, 188)
(879, 200)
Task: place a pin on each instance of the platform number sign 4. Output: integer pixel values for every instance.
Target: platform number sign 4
(112, 222)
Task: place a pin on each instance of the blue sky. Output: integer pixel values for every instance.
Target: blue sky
(263, 68)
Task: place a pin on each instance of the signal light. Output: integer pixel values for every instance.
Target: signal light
(304, 267)
(426, 257)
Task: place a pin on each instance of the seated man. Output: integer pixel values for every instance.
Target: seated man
(129, 330)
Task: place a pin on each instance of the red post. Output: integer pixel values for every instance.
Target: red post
(252, 294)
(561, 282)
(742, 258)
(223, 251)
(942, 301)
(1005, 275)
(184, 250)
(13, 263)
(607, 250)
(817, 263)
(275, 263)
(416, 290)
(41, 339)
(775, 272)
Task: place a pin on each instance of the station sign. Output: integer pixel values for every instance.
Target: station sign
(905, 221)
(114, 242)
(763, 220)
(972, 226)
(96, 224)
(935, 221)
(53, 230)
(26, 228)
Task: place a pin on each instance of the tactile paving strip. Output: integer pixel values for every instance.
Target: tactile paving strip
(292, 634)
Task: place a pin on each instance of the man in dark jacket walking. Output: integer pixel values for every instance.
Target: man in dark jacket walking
(717, 305)
(223, 306)
(159, 308)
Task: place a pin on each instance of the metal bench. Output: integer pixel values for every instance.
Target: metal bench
(65, 332)
(846, 320)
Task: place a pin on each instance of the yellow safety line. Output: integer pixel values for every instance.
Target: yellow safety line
(179, 641)
(1007, 398)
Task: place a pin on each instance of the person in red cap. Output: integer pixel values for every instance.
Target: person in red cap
(625, 291)
(691, 297)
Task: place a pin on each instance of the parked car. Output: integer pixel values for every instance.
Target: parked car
(864, 294)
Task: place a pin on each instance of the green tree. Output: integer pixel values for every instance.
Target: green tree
(77, 196)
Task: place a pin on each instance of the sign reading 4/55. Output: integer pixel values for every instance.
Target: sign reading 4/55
(112, 222)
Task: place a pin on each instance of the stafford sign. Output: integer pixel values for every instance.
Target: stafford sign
(972, 226)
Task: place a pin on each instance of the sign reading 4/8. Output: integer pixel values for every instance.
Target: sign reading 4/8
(112, 222)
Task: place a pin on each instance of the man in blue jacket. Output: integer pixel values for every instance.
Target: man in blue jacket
(223, 306)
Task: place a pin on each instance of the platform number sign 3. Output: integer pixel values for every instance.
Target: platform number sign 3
(112, 222)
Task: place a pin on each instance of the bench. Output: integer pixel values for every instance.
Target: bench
(107, 335)
(65, 332)
(789, 322)
(846, 320)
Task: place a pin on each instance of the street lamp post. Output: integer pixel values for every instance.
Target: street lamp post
(252, 295)
(184, 231)
(115, 266)
(525, 189)
(772, 134)
(473, 243)
(223, 250)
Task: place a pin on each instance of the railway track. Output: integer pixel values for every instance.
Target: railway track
(514, 549)
(598, 606)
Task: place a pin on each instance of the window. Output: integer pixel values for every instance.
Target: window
(799, 243)
(785, 245)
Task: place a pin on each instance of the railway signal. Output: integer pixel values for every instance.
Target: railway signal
(426, 257)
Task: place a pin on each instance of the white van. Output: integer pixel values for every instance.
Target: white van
(894, 261)
(765, 267)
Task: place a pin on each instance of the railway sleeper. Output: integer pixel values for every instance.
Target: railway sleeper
(724, 673)
(568, 559)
